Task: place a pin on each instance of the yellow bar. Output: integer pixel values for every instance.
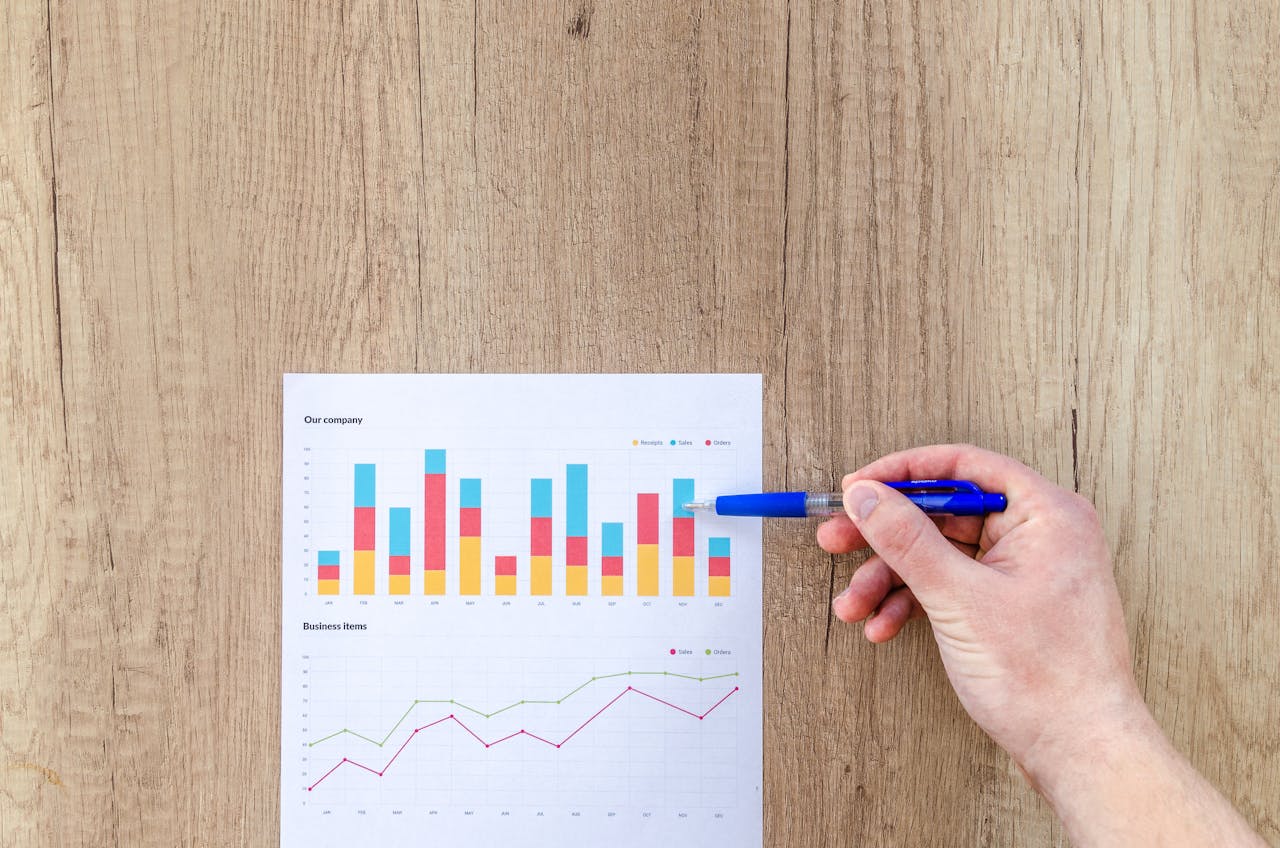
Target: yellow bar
(399, 584)
(611, 584)
(469, 565)
(540, 575)
(364, 573)
(505, 584)
(646, 569)
(718, 587)
(328, 587)
(682, 576)
(434, 584)
(575, 580)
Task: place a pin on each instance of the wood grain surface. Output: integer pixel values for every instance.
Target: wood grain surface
(1051, 229)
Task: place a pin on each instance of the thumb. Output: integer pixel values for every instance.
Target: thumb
(904, 537)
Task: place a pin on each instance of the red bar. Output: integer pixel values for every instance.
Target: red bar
(682, 536)
(647, 519)
(469, 521)
(365, 522)
(433, 509)
(575, 552)
(611, 566)
(398, 565)
(717, 566)
(540, 536)
(504, 566)
(327, 572)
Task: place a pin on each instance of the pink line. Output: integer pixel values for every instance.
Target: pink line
(455, 720)
(326, 774)
(719, 702)
(535, 736)
(593, 718)
(668, 703)
(469, 730)
(407, 740)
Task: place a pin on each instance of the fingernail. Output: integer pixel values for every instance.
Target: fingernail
(860, 500)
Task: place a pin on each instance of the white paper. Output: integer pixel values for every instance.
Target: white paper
(416, 723)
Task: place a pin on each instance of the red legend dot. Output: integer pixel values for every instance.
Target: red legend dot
(673, 652)
(708, 443)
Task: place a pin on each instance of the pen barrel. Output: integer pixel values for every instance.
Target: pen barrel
(764, 505)
(936, 497)
(957, 503)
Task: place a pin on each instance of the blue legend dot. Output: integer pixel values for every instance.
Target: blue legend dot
(673, 441)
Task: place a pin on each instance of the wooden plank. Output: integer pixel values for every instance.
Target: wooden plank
(52, 757)
(931, 276)
(1178, 371)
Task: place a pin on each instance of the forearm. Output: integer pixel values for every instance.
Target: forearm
(1122, 783)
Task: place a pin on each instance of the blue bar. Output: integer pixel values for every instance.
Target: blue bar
(327, 558)
(399, 531)
(575, 500)
(540, 497)
(718, 546)
(434, 461)
(469, 493)
(365, 475)
(681, 494)
(611, 539)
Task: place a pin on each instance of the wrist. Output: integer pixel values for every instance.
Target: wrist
(1095, 737)
(1097, 775)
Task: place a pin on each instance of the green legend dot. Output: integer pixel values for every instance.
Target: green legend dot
(708, 652)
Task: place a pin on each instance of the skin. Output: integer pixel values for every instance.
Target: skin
(1024, 608)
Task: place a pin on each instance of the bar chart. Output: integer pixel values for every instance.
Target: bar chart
(453, 514)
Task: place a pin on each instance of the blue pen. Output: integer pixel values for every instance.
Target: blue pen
(936, 497)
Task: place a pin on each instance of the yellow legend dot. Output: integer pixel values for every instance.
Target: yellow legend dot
(635, 442)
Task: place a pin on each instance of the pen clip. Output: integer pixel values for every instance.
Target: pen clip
(939, 486)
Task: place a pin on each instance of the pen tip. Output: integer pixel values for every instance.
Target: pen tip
(695, 505)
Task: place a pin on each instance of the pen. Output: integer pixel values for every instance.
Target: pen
(936, 497)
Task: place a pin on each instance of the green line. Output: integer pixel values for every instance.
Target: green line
(521, 702)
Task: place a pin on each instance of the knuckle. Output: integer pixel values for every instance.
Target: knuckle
(1084, 507)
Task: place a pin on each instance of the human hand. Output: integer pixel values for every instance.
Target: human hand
(1022, 603)
(1027, 618)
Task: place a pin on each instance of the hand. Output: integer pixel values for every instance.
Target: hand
(1027, 618)
(1023, 603)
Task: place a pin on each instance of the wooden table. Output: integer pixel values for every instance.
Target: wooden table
(1051, 229)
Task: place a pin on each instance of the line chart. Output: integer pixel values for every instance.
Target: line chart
(522, 732)
(514, 704)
